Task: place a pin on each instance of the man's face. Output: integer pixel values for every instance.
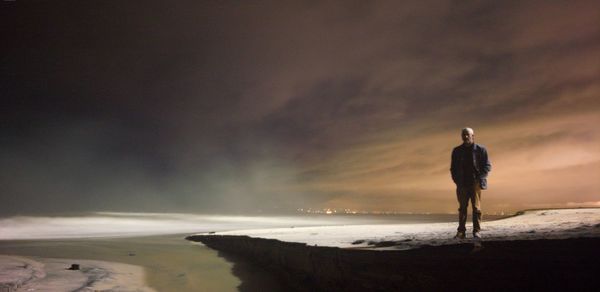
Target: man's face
(468, 137)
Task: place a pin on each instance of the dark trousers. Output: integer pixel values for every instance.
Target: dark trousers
(464, 195)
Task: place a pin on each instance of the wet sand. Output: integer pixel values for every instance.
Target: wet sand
(49, 274)
(171, 263)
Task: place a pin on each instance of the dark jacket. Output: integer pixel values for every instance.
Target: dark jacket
(480, 161)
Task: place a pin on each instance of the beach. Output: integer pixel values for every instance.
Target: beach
(152, 243)
(320, 253)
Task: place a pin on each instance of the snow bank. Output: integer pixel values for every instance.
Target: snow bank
(45, 274)
(537, 224)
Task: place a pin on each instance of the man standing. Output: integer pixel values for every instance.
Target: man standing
(469, 168)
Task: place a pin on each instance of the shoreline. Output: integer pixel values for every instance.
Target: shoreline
(544, 264)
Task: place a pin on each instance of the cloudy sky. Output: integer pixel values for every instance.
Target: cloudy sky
(241, 106)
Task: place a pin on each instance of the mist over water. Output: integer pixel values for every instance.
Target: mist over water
(114, 224)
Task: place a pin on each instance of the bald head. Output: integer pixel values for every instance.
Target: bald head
(468, 136)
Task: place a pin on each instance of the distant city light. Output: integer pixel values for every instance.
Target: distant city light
(347, 211)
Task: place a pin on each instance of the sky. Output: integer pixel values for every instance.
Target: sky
(270, 106)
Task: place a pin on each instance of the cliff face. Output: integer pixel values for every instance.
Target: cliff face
(542, 264)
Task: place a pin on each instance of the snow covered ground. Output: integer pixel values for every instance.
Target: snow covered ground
(44, 274)
(538, 224)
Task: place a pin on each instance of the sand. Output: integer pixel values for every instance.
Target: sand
(19, 273)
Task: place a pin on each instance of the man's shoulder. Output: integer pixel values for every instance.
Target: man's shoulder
(480, 147)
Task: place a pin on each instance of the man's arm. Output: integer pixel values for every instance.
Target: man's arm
(453, 166)
(486, 165)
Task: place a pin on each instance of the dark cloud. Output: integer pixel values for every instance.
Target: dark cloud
(232, 106)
